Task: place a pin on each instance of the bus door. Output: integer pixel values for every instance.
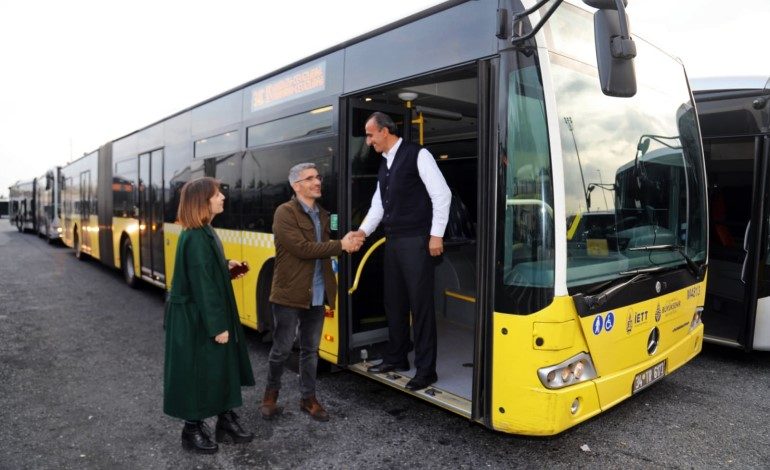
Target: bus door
(364, 310)
(84, 211)
(738, 291)
(151, 215)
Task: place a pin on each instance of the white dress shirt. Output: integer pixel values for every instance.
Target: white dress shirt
(435, 184)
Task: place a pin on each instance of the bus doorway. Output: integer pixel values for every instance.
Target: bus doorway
(442, 115)
(151, 217)
(736, 147)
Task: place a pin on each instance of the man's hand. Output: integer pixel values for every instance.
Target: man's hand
(352, 241)
(436, 246)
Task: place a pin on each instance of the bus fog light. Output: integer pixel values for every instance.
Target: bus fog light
(579, 368)
(575, 406)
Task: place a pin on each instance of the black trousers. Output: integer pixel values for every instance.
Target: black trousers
(409, 276)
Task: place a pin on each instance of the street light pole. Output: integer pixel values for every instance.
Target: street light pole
(568, 121)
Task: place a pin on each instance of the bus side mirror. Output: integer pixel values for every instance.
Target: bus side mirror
(615, 49)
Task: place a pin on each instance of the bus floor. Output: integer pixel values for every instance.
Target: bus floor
(454, 362)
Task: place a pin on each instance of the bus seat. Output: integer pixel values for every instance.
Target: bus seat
(718, 215)
(460, 225)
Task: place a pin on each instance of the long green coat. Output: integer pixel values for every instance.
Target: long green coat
(202, 378)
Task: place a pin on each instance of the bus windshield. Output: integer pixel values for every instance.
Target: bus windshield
(632, 167)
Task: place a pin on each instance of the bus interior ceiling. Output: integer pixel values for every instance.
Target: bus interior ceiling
(730, 164)
(449, 107)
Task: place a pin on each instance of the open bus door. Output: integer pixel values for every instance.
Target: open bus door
(738, 294)
(361, 312)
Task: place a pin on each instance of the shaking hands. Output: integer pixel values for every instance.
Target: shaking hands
(353, 240)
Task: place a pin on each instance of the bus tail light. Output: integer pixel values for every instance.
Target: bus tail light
(696, 318)
(574, 370)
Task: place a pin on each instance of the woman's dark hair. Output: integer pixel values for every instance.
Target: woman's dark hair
(194, 208)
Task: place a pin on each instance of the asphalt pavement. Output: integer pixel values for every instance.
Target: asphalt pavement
(81, 361)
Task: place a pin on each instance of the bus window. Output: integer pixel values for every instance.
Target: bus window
(638, 182)
(525, 278)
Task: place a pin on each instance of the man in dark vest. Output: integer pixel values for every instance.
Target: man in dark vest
(412, 203)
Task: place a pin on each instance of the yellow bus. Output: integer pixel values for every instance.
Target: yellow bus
(531, 111)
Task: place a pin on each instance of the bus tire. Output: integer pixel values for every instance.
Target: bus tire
(127, 264)
(18, 224)
(264, 312)
(78, 247)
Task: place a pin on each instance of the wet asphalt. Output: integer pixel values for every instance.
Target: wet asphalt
(81, 360)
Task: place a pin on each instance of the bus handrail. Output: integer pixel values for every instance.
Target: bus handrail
(363, 262)
(534, 202)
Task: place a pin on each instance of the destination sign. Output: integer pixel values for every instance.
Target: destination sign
(288, 87)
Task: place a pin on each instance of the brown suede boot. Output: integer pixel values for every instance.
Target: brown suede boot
(310, 405)
(270, 408)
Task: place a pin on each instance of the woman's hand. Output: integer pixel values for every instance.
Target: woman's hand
(235, 264)
(222, 337)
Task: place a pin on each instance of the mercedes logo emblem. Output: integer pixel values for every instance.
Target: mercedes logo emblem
(652, 341)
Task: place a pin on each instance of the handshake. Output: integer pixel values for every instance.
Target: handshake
(353, 240)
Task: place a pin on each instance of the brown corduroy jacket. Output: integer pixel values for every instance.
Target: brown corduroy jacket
(296, 251)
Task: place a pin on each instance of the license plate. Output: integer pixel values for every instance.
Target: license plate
(648, 377)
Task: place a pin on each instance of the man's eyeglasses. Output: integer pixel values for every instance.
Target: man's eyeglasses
(310, 179)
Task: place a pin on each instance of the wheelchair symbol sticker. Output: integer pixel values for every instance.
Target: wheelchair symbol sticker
(598, 323)
(609, 322)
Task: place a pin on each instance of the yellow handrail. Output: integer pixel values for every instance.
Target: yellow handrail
(363, 262)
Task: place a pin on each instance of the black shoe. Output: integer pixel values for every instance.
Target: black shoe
(419, 382)
(384, 367)
(228, 425)
(195, 437)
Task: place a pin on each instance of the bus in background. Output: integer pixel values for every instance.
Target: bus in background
(735, 122)
(527, 110)
(83, 194)
(48, 205)
(22, 205)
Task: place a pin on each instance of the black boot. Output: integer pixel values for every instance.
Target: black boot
(195, 437)
(228, 425)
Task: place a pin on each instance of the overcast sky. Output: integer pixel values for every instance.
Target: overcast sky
(75, 74)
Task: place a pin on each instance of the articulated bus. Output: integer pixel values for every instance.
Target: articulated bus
(22, 205)
(735, 121)
(531, 110)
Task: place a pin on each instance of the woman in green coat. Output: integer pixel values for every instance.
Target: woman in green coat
(206, 358)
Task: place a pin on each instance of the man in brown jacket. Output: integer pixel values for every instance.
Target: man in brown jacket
(303, 282)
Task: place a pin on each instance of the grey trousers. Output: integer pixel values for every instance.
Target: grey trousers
(285, 321)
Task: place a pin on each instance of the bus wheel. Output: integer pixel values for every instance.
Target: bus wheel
(127, 264)
(78, 248)
(18, 224)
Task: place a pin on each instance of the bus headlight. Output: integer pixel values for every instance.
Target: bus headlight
(696, 318)
(574, 370)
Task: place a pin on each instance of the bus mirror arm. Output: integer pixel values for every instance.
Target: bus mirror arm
(517, 27)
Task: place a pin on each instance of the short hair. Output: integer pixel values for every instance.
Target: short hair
(297, 169)
(194, 207)
(383, 120)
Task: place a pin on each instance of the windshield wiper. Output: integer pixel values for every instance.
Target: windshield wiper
(590, 302)
(695, 270)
